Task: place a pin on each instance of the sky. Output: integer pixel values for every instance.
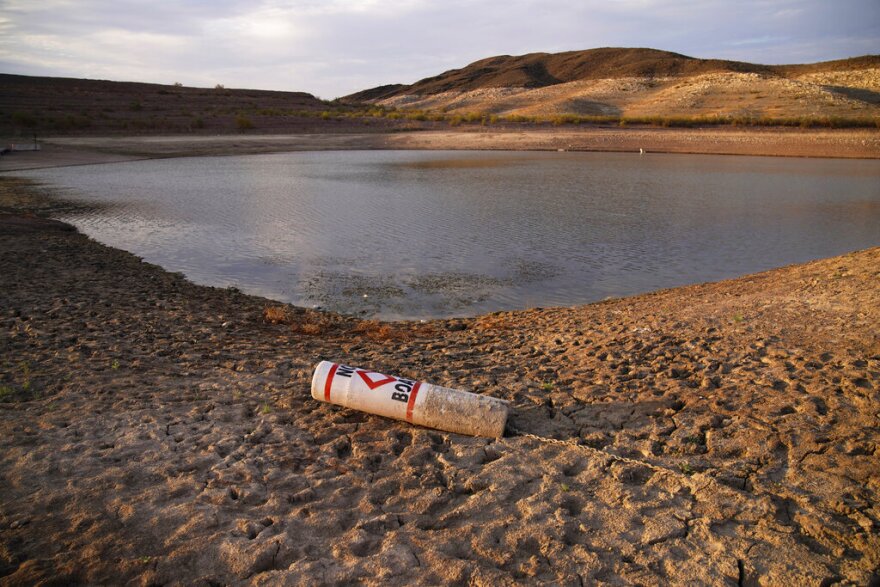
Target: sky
(331, 48)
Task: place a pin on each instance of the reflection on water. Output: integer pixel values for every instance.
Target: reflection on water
(422, 234)
(460, 162)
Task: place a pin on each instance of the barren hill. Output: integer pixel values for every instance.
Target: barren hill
(66, 105)
(642, 82)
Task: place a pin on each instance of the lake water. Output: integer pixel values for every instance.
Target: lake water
(409, 234)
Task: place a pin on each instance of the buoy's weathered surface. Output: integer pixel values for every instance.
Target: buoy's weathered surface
(413, 401)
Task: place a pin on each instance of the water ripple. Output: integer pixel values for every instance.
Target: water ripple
(422, 234)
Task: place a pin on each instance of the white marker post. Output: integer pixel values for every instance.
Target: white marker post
(415, 402)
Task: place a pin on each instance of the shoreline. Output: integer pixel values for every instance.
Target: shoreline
(160, 431)
(84, 150)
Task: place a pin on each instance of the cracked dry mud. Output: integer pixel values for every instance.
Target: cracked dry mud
(159, 432)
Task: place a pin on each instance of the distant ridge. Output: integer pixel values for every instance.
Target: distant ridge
(376, 93)
(536, 70)
(100, 86)
(58, 105)
(642, 84)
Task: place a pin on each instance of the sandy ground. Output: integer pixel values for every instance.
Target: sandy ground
(158, 432)
(858, 143)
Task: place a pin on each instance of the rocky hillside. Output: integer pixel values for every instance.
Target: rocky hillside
(642, 83)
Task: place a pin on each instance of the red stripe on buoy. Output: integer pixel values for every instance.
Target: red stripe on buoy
(412, 401)
(365, 375)
(329, 381)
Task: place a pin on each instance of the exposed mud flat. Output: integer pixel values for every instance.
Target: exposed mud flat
(157, 432)
(775, 142)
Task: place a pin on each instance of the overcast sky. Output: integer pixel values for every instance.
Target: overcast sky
(334, 47)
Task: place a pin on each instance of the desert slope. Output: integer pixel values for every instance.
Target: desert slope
(67, 106)
(643, 83)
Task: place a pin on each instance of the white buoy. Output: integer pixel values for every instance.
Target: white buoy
(413, 401)
(641, 151)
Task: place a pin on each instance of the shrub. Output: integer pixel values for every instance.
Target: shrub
(26, 119)
(312, 324)
(379, 331)
(70, 122)
(311, 328)
(276, 314)
(242, 122)
(304, 322)
(519, 118)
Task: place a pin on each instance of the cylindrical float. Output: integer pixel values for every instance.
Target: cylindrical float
(415, 402)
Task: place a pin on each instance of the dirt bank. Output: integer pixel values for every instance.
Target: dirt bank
(858, 143)
(158, 432)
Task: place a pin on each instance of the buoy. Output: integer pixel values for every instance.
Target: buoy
(412, 401)
(641, 151)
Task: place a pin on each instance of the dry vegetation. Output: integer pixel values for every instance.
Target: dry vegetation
(313, 323)
(302, 321)
(276, 314)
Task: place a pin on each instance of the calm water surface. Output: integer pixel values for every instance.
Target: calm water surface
(406, 234)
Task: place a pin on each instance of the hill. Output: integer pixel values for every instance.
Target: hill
(642, 83)
(49, 105)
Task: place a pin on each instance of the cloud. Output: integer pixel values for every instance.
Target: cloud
(333, 47)
(765, 40)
